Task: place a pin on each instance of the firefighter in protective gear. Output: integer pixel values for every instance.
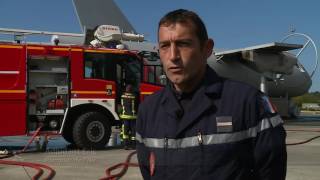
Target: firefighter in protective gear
(203, 126)
(128, 116)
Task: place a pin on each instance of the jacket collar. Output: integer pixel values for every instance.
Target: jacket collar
(210, 88)
(212, 83)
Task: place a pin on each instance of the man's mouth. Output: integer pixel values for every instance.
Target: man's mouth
(175, 69)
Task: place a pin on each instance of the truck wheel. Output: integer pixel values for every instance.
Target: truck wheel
(67, 135)
(91, 131)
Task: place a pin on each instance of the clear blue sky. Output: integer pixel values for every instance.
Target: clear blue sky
(231, 23)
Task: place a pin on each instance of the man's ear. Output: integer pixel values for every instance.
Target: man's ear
(209, 47)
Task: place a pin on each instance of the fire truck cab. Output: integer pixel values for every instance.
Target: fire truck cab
(71, 90)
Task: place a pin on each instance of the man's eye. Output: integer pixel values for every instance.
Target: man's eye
(164, 46)
(184, 44)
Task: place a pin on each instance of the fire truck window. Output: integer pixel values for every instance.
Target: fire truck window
(88, 70)
(153, 71)
(154, 74)
(100, 66)
(124, 69)
(132, 69)
(151, 75)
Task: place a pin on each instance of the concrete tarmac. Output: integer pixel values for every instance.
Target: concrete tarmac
(69, 163)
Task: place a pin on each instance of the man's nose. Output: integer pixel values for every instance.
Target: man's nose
(174, 53)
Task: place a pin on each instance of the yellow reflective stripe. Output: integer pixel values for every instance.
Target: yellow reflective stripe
(128, 96)
(60, 49)
(76, 49)
(125, 136)
(35, 48)
(124, 116)
(106, 51)
(132, 106)
(91, 92)
(12, 91)
(147, 92)
(11, 46)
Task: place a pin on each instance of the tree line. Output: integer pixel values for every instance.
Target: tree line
(311, 97)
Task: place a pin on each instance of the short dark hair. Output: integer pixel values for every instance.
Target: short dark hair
(185, 16)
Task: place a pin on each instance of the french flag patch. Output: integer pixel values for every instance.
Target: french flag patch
(268, 105)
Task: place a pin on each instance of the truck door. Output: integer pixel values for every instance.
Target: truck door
(12, 90)
(121, 69)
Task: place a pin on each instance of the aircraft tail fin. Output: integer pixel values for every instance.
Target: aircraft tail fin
(99, 12)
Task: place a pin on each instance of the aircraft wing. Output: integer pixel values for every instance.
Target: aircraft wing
(273, 47)
(262, 58)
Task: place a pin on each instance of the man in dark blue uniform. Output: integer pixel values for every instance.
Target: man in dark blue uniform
(202, 126)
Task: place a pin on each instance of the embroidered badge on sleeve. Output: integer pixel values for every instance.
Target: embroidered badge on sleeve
(268, 106)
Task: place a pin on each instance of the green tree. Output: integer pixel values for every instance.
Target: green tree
(311, 97)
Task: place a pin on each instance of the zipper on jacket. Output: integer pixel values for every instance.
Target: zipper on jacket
(200, 140)
(165, 148)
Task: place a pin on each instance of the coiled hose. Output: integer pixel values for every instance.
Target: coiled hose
(36, 166)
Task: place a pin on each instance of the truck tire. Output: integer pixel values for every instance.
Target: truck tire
(91, 130)
(67, 135)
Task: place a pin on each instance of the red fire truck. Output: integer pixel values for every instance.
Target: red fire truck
(69, 90)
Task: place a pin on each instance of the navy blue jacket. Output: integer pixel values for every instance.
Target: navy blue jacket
(229, 132)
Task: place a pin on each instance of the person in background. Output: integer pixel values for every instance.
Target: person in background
(128, 116)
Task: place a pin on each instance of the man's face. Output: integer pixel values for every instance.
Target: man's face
(182, 56)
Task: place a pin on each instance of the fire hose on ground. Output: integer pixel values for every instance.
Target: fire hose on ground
(124, 169)
(36, 166)
(304, 141)
(125, 165)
